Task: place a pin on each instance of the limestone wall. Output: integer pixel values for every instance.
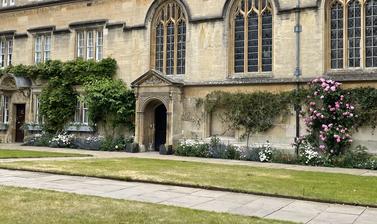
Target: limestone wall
(207, 39)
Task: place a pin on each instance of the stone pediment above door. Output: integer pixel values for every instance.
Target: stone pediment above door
(154, 78)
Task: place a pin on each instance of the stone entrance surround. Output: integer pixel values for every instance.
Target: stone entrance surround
(153, 89)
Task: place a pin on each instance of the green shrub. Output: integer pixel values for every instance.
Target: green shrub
(115, 144)
(42, 140)
(356, 158)
(284, 156)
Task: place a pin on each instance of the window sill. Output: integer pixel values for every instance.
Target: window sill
(79, 128)
(251, 75)
(353, 74)
(35, 127)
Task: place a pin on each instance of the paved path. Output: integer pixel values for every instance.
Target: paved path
(243, 204)
(154, 155)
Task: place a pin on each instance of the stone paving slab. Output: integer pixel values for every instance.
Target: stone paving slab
(218, 201)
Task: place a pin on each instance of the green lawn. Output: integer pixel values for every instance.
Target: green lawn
(307, 185)
(39, 206)
(15, 153)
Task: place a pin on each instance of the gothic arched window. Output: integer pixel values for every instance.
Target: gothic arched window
(251, 24)
(353, 33)
(169, 39)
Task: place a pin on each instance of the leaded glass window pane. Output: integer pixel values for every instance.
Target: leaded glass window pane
(47, 48)
(267, 41)
(170, 49)
(90, 45)
(239, 43)
(2, 54)
(80, 44)
(354, 33)
(371, 33)
(10, 52)
(253, 42)
(181, 48)
(38, 49)
(159, 48)
(337, 36)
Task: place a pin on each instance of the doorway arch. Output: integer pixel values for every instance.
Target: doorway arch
(155, 124)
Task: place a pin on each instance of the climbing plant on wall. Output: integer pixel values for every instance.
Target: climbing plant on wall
(259, 111)
(110, 101)
(253, 112)
(59, 96)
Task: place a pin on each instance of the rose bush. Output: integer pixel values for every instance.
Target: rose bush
(330, 117)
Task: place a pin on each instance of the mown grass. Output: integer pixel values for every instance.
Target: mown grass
(15, 153)
(39, 206)
(330, 187)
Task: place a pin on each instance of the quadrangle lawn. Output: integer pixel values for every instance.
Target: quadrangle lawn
(40, 206)
(15, 153)
(329, 187)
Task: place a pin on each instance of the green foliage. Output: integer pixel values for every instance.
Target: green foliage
(75, 72)
(115, 144)
(110, 101)
(356, 158)
(58, 103)
(365, 101)
(254, 112)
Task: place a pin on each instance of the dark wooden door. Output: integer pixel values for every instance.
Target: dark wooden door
(20, 121)
(160, 126)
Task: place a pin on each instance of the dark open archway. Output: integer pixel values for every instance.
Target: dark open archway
(160, 120)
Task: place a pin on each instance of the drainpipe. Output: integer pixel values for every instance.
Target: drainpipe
(297, 73)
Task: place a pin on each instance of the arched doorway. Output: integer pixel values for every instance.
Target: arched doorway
(160, 118)
(155, 125)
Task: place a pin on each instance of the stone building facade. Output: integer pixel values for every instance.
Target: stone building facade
(173, 52)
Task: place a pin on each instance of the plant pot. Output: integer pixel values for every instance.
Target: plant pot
(162, 150)
(132, 148)
(170, 150)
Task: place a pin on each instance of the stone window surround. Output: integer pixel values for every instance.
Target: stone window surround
(45, 54)
(97, 49)
(6, 50)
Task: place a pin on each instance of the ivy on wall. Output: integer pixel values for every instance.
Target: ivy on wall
(59, 97)
(111, 102)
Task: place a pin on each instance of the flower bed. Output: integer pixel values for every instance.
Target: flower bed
(65, 140)
(308, 155)
(218, 150)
